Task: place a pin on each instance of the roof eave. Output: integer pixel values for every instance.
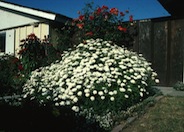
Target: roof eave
(30, 11)
(174, 7)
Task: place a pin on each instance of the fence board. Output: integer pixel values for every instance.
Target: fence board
(177, 41)
(145, 39)
(161, 42)
(160, 51)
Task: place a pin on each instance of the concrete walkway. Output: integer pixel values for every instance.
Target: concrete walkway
(170, 91)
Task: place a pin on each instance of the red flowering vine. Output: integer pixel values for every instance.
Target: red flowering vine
(103, 22)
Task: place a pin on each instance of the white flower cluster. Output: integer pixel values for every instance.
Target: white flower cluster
(105, 120)
(95, 70)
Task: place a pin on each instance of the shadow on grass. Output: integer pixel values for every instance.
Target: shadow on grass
(31, 118)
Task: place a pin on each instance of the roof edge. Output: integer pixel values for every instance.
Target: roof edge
(33, 11)
(27, 10)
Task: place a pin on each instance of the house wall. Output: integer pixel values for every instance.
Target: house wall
(18, 26)
(15, 35)
(40, 30)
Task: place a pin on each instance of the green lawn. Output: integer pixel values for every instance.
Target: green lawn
(167, 115)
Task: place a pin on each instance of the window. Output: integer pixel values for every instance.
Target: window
(2, 42)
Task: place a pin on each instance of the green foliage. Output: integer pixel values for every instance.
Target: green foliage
(11, 77)
(65, 39)
(179, 86)
(33, 54)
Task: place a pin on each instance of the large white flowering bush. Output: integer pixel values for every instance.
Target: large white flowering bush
(96, 79)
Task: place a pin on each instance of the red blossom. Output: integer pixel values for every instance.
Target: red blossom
(122, 28)
(89, 34)
(98, 11)
(131, 18)
(22, 51)
(104, 7)
(127, 11)
(15, 60)
(114, 11)
(122, 14)
(81, 17)
(91, 17)
(80, 25)
(20, 67)
(32, 36)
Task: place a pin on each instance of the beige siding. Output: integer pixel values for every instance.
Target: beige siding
(40, 30)
(29, 30)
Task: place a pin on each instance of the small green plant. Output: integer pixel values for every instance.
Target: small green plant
(179, 86)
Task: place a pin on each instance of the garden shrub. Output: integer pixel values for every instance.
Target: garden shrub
(98, 22)
(95, 80)
(35, 53)
(11, 77)
(179, 86)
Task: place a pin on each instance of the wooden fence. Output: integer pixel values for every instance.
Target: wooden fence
(161, 42)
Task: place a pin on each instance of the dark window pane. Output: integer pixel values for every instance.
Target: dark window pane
(2, 42)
